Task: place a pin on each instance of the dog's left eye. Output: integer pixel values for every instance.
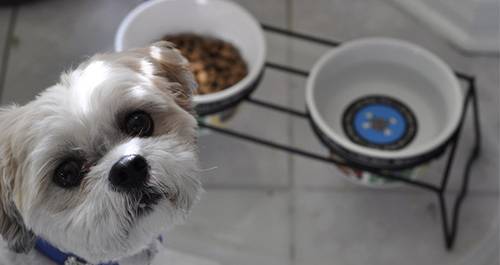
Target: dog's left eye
(68, 174)
(139, 124)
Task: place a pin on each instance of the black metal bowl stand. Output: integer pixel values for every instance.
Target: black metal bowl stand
(449, 227)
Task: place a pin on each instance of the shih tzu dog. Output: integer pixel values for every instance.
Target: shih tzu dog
(98, 165)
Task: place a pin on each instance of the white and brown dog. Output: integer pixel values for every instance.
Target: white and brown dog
(98, 165)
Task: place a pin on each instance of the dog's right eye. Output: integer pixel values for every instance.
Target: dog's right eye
(68, 174)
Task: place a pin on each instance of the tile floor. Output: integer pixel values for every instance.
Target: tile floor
(263, 206)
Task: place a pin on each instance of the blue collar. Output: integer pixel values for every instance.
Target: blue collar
(58, 256)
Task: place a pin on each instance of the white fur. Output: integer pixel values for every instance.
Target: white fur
(81, 116)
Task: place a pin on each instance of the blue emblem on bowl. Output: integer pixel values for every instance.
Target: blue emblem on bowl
(379, 122)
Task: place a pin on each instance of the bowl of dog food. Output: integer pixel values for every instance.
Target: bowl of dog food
(224, 43)
(383, 104)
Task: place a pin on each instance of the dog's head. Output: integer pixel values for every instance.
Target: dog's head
(105, 160)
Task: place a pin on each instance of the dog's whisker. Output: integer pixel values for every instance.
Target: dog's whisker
(209, 169)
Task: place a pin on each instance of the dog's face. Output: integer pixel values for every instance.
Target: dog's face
(105, 160)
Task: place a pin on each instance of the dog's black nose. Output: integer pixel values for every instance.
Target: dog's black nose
(129, 172)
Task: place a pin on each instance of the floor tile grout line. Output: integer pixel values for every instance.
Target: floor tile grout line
(291, 202)
(390, 191)
(6, 50)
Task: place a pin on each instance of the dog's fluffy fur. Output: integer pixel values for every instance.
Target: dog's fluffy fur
(83, 118)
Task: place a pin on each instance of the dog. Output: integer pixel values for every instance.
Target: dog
(100, 164)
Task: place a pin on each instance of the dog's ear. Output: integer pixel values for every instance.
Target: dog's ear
(175, 68)
(19, 238)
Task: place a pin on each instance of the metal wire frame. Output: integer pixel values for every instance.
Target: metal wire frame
(449, 230)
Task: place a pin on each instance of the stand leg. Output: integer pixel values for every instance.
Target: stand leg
(450, 232)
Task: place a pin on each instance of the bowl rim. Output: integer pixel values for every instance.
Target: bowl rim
(228, 92)
(432, 145)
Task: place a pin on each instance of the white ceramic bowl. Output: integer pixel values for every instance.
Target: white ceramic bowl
(221, 19)
(388, 69)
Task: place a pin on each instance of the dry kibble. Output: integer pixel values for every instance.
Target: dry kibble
(204, 89)
(228, 53)
(196, 66)
(221, 63)
(215, 64)
(202, 76)
(212, 75)
(196, 55)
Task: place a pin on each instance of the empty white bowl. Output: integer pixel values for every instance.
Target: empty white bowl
(221, 19)
(408, 86)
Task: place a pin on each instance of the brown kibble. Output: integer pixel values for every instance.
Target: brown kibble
(228, 54)
(203, 89)
(214, 47)
(212, 74)
(221, 63)
(202, 76)
(194, 67)
(220, 84)
(215, 64)
(196, 54)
